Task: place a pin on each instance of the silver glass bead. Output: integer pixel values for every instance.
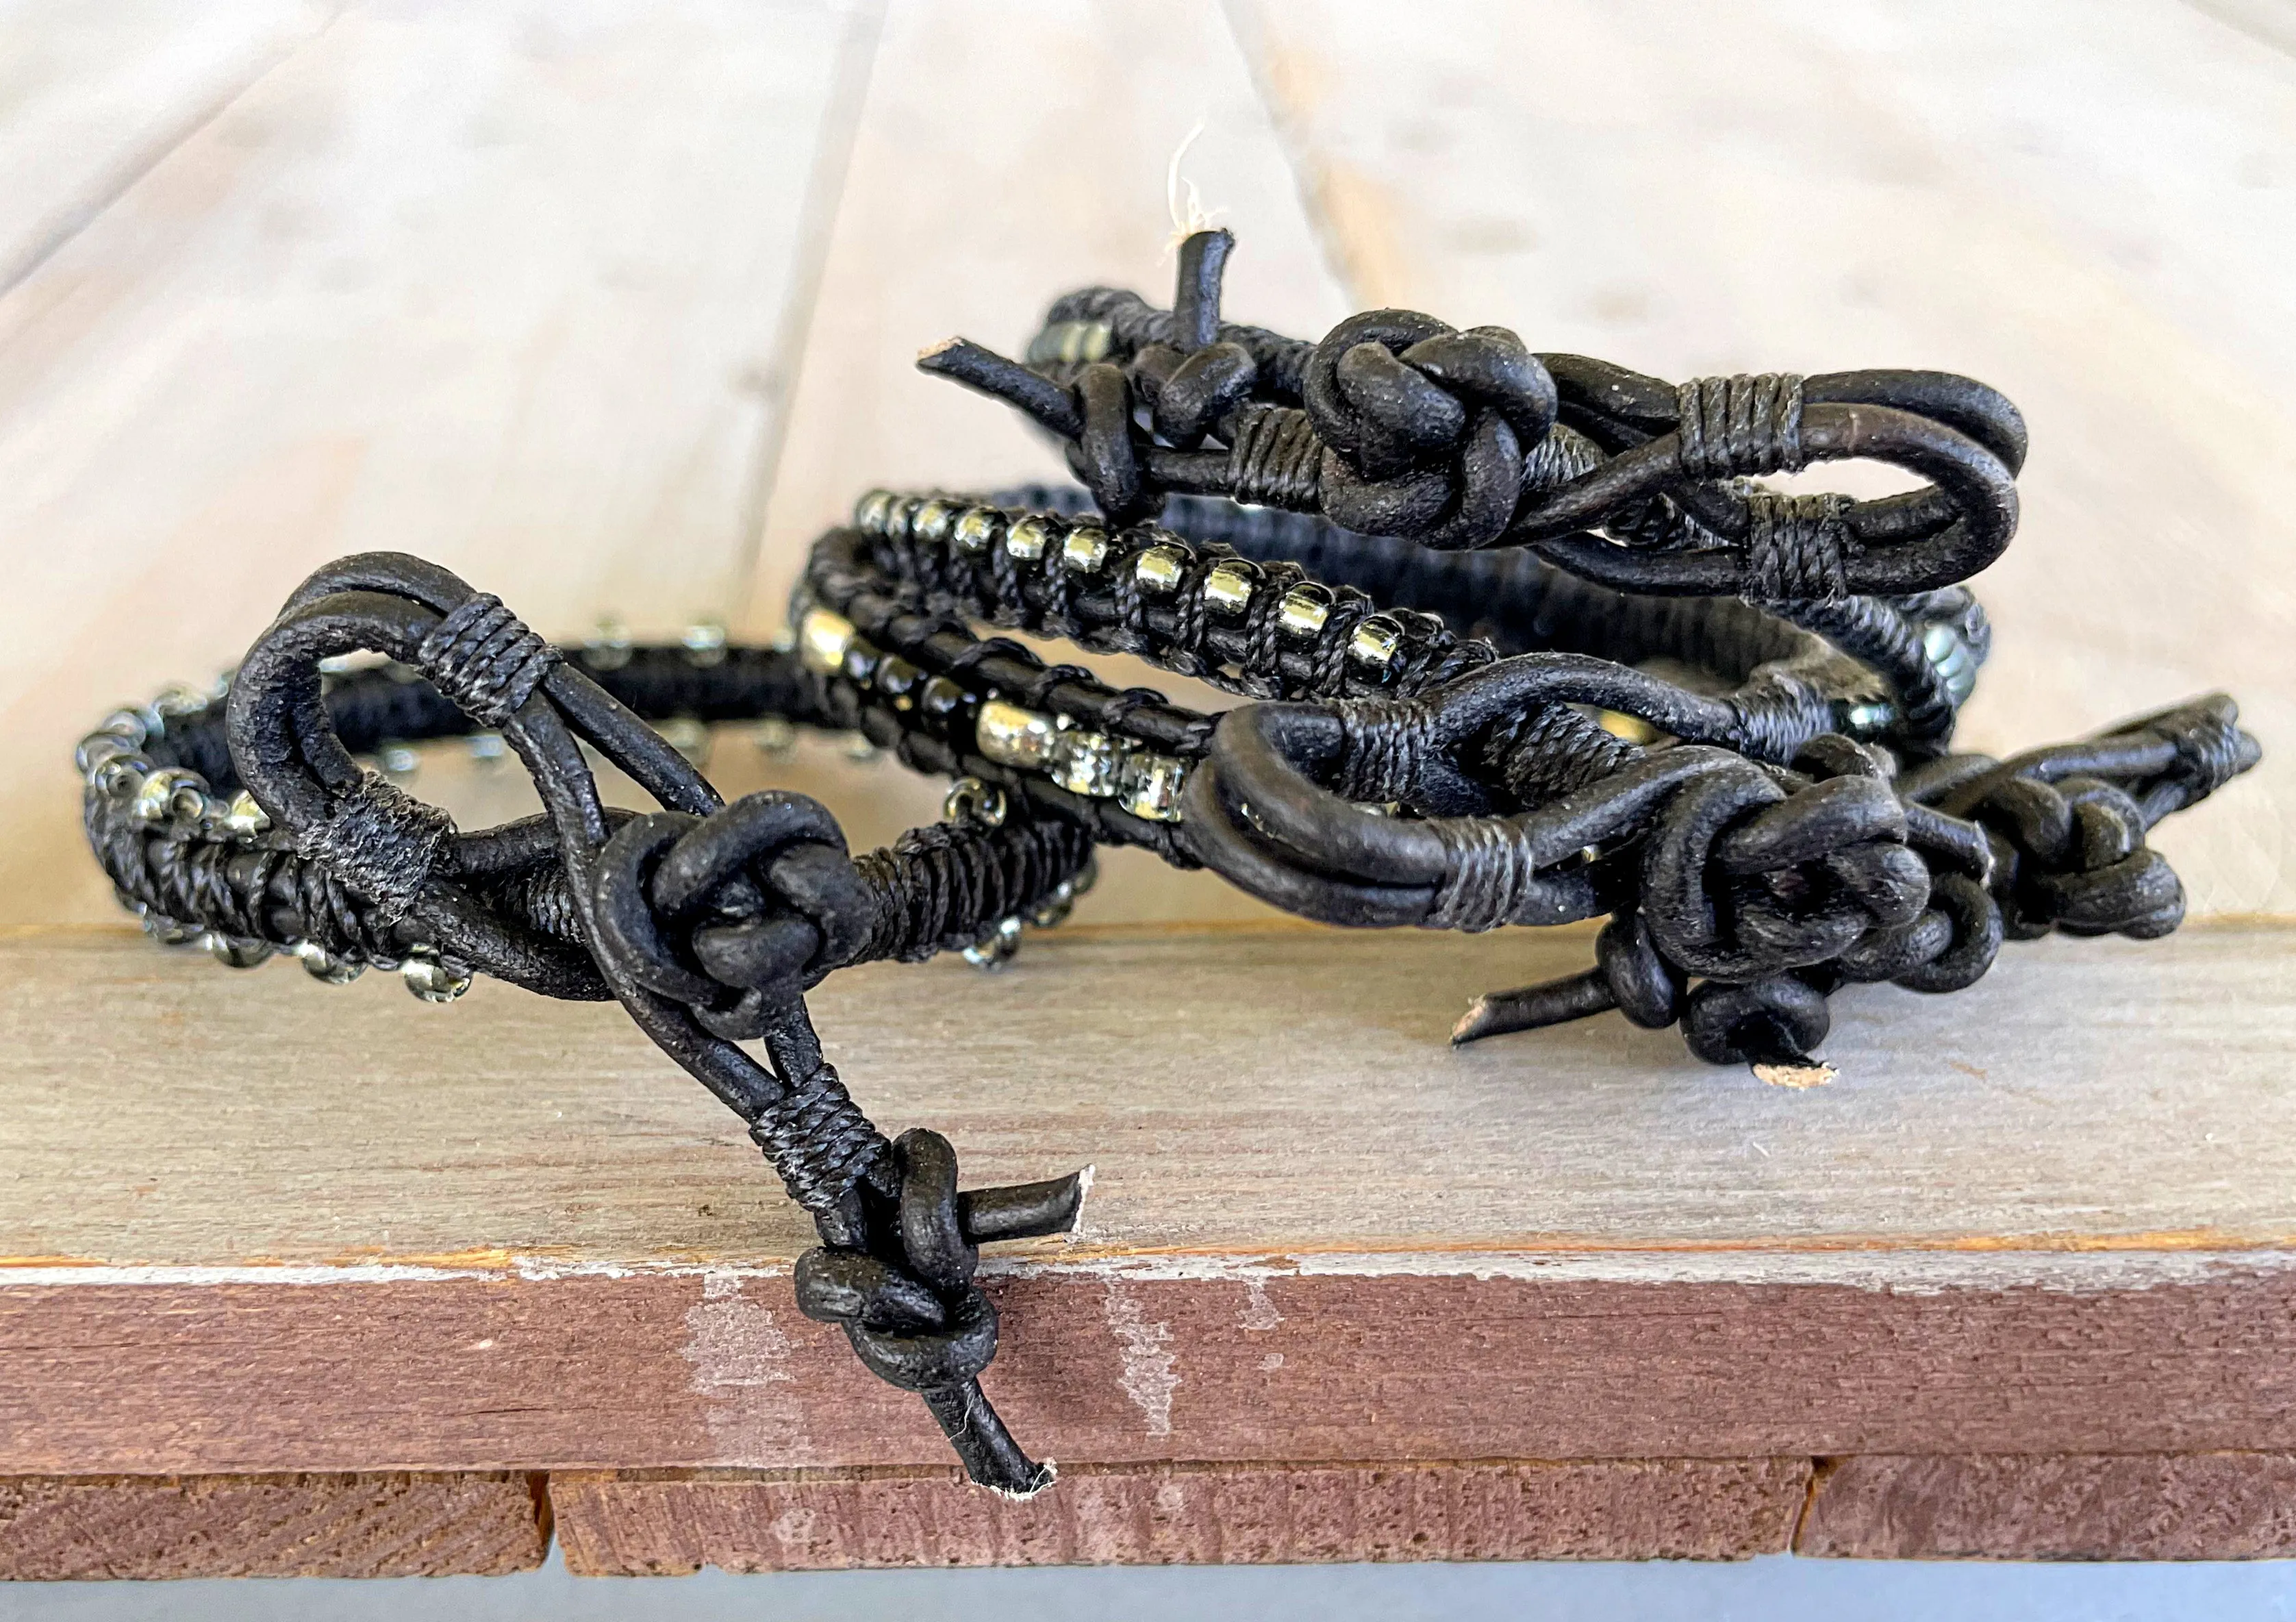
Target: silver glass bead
(1228, 586)
(705, 644)
(1026, 539)
(1377, 642)
(121, 777)
(929, 523)
(1011, 735)
(321, 964)
(995, 950)
(607, 648)
(972, 799)
(179, 699)
(774, 735)
(243, 818)
(975, 530)
(1867, 720)
(487, 747)
(1159, 569)
(1304, 609)
(1085, 763)
(432, 981)
(236, 952)
(689, 737)
(1085, 550)
(128, 723)
(1053, 910)
(871, 511)
(167, 931)
(172, 795)
(398, 761)
(822, 639)
(96, 749)
(1151, 787)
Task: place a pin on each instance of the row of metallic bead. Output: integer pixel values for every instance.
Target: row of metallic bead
(112, 763)
(1084, 762)
(1083, 549)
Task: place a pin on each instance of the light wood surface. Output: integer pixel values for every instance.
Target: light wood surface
(612, 308)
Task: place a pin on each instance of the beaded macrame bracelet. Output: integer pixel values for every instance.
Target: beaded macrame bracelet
(1717, 714)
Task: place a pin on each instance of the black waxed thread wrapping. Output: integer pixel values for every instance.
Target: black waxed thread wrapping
(1487, 871)
(1384, 746)
(484, 658)
(1276, 460)
(1795, 546)
(818, 1140)
(1741, 425)
(2209, 748)
(1547, 754)
(379, 841)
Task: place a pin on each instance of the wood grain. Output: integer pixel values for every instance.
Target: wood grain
(2093, 219)
(1640, 1509)
(376, 1525)
(504, 285)
(1437, 1358)
(1244, 1093)
(2125, 1506)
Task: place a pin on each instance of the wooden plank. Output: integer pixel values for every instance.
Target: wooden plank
(2123, 1506)
(2049, 1215)
(383, 1524)
(2086, 218)
(1281, 1514)
(505, 286)
(1432, 1357)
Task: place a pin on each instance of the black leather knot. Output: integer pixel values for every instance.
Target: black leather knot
(1424, 427)
(1744, 881)
(484, 658)
(2072, 855)
(736, 914)
(916, 1319)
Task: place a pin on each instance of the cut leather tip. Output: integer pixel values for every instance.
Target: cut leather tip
(1480, 1020)
(1797, 1073)
(1047, 1473)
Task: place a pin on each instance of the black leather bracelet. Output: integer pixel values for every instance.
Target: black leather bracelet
(1717, 714)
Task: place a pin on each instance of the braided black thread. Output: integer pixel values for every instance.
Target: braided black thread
(486, 660)
(1883, 636)
(938, 887)
(1741, 425)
